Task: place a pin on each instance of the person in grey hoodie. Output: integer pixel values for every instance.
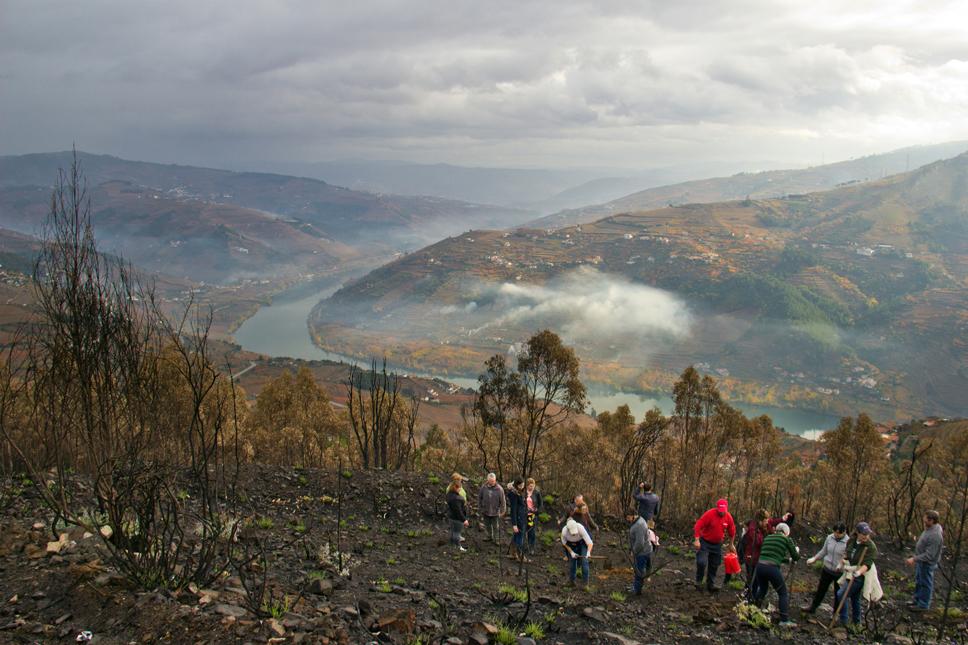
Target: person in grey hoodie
(832, 555)
(641, 547)
(492, 504)
(927, 555)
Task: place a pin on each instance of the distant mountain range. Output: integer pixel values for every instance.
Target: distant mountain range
(758, 185)
(849, 299)
(218, 225)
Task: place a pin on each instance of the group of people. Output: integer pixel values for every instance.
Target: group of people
(847, 561)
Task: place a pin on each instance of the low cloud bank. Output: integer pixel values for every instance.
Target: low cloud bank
(590, 307)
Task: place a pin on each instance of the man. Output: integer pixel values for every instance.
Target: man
(492, 505)
(777, 548)
(927, 556)
(648, 503)
(710, 531)
(641, 548)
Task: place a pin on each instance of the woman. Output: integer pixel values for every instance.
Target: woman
(831, 555)
(578, 544)
(456, 512)
(752, 541)
(859, 556)
(519, 515)
(533, 500)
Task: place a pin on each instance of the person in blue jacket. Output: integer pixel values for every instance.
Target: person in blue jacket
(519, 515)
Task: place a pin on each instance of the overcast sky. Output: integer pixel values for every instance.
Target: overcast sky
(506, 83)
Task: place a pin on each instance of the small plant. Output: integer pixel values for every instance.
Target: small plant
(391, 561)
(343, 524)
(411, 534)
(735, 584)
(674, 550)
(544, 518)
(399, 581)
(617, 596)
(182, 495)
(347, 474)
(752, 616)
(433, 479)
(548, 539)
(363, 528)
(553, 569)
(264, 523)
(505, 636)
(277, 608)
(627, 630)
(383, 586)
(535, 630)
(513, 592)
(316, 575)
(549, 499)
(492, 562)
(302, 480)
(298, 526)
(433, 604)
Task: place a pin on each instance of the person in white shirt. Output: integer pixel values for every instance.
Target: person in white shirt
(578, 544)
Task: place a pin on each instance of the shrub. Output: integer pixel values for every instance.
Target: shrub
(617, 596)
(264, 523)
(752, 616)
(549, 499)
(535, 630)
(736, 584)
(544, 518)
(505, 636)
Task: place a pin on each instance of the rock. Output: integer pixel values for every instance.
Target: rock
(486, 628)
(897, 639)
(401, 621)
(63, 618)
(597, 614)
(526, 640)
(478, 638)
(13, 599)
(106, 532)
(277, 628)
(34, 552)
(453, 640)
(321, 587)
(225, 609)
(547, 600)
(352, 612)
(38, 526)
(621, 639)
(37, 595)
(206, 596)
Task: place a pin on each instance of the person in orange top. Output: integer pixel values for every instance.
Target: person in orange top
(710, 532)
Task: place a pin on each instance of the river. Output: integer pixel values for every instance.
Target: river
(282, 330)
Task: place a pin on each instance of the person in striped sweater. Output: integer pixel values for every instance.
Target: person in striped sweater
(777, 549)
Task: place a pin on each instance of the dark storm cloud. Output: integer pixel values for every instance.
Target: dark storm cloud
(541, 82)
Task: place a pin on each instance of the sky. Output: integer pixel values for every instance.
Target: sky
(533, 83)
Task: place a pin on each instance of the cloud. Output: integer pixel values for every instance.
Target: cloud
(536, 83)
(592, 308)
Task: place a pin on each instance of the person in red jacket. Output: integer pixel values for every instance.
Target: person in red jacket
(710, 532)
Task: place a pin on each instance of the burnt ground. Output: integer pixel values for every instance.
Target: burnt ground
(405, 583)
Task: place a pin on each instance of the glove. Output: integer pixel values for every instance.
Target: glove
(574, 556)
(811, 560)
(798, 549)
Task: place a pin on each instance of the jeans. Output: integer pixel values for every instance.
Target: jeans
(518, 540)
(456, 526)
(767, 575)
(853, 596)
(707, 562)
(492, 525)
(642, 564)
(923, 583)
(581, 549)
(826, 578)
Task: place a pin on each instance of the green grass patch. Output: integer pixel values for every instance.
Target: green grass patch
(383, 586)
(264, 523)
(518, 595)
(617, 596)
(548, 499)
(544, 518)
(535, 630)
(505, 636)
(735, 584)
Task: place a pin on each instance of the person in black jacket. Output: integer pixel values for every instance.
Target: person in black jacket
(456, 512)
(519, 514)
(533, 501)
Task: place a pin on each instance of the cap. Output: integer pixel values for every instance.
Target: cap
(722, 505)
(864, 528)
(783, 528)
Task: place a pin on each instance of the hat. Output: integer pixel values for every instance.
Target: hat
(722, 505)
(864, 528)
(783, 528)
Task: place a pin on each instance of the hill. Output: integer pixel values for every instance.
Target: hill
(851, 297)
(759, 185)
(220, 225)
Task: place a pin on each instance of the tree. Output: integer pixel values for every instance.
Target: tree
(552, 391)
(383, 421)
(858, 461)
(500, 398)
